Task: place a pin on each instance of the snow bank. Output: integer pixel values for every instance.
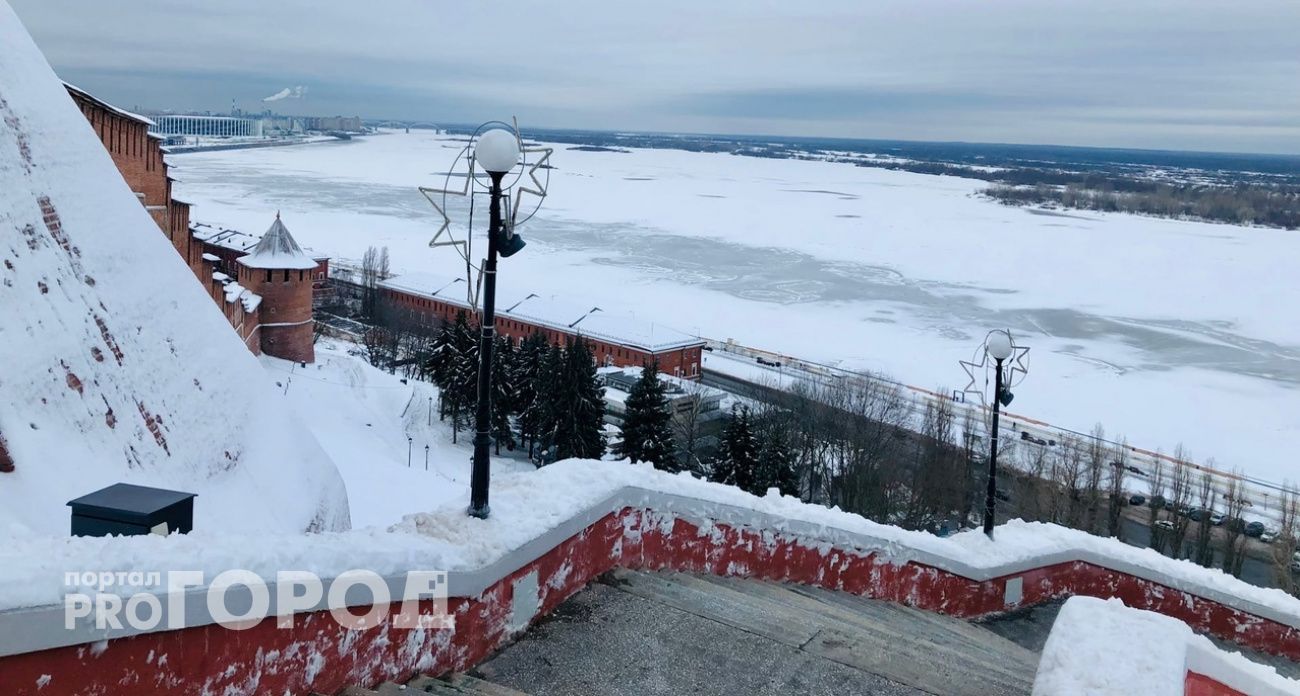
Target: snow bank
(1101, 647)
(526, 506)
(117, 366)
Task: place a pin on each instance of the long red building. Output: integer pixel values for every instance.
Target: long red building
(617, 338)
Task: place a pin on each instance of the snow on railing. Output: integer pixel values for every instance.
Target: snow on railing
(1101, 647)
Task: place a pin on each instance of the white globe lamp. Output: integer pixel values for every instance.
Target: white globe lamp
(999, 344)
(497, 151)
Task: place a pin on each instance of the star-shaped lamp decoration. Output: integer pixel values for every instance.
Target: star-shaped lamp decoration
(476, 181)
(1015, 365)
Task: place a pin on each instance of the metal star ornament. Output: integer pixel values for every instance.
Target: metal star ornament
(475, 182)
(1014, 368)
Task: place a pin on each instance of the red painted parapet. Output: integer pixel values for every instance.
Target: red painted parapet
(317, 654)
(1201, 685)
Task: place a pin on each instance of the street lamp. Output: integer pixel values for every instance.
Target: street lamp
(999, 346)
(435, 292)
(496, 152)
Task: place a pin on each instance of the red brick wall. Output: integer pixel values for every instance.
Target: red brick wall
(682, 362)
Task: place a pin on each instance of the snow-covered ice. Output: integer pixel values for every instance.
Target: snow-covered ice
(1165, 331)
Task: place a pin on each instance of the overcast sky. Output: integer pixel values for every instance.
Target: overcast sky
(1178, 74)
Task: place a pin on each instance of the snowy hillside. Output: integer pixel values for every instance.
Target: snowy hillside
(116, 365)
(363, 416)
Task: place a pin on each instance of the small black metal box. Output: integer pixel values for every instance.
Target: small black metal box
(130, 510)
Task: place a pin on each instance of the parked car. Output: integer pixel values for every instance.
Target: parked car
(1024, 435)
(1218, 518)
(1001, 495)
(1255, 529)
(1137, 500)
(1198, 515)
(1134, 470)
(1164, 524)
(1268, 537)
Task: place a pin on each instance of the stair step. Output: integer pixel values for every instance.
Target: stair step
(473, 685)
(938, 656)
(424, 684)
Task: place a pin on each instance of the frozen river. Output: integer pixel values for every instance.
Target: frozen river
(1163, 331)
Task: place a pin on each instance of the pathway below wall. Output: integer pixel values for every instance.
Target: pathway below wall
(646, 633)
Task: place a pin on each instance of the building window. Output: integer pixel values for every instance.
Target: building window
(268, 275)
(286, 275)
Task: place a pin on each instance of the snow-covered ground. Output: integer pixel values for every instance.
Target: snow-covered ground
(117, 365)
(1164, 331)
(363, 416)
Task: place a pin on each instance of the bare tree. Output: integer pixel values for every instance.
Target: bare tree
(374, 268)
(1202, 550)
(1156, 502)
(1180, 493)
(1233, 542)
(1282, 551)
(1096, 464)
(1115, 492)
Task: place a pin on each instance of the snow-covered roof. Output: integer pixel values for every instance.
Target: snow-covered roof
(109, 107)
(123, 376)
(277, 249)
(612, 324)
(234, 240)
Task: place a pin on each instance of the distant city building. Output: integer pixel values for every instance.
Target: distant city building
(684, 396)
(264, 285)
(209, 126)
(333, 123)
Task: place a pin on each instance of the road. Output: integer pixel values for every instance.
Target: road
(739, 366)
(1256, 569)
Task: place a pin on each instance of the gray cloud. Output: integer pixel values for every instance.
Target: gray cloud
(1192, 74)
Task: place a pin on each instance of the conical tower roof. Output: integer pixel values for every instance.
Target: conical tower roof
(278, 250)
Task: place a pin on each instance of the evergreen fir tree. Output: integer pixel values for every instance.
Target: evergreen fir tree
(578, 408)
(647, 427)
(462, 378)
(547, 401)
(503, 392)
(529, 359)
(737, 457)
(775, 463)
(439, 367)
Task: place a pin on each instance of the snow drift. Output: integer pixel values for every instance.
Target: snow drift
(116, 366)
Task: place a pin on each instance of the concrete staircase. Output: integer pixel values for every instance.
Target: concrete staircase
(647, 633)
(453, 685)
(929, 652)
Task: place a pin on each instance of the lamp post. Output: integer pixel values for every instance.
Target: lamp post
(496, 152)
(999, 347)
(426, 457)
(435, 292)
(409, 439)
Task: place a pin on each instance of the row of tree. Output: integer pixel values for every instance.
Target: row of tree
(1274, 206)
(544, 396)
